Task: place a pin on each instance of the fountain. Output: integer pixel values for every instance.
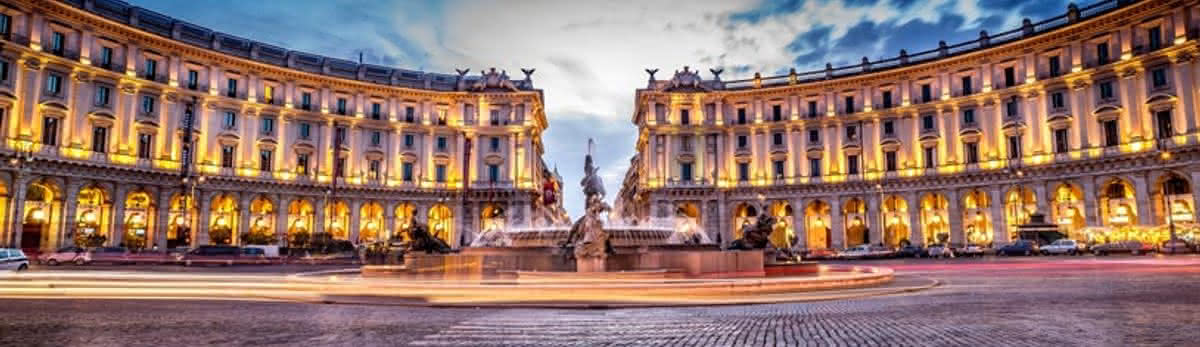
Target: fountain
(600, 245)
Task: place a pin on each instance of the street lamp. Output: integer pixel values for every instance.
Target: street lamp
(20, 160)
(1166, 157)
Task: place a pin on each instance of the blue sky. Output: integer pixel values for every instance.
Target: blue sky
(590, 56)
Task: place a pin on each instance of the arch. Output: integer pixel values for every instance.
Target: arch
(817, 228)
(1019, 203)
(687, 218)
(441, 223)
(1172, 199)
(300, 221)
(337, 219)
(404, 214)
(1068, 210)
(492, 217)
(138, 219)
(370, 223)
(181, 215)
(783, 232)
(42, 211)
(743, 214)
(895, 217)
(223, 222)
(93, 213)
(262, 222)
(855, 214)
(934, 217)
(977, 219)
(1118, 207)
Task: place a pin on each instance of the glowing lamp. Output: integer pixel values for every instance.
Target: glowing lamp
(221, 221)
(179, 220)
(88, 217)
(300, 223)
(37, 214)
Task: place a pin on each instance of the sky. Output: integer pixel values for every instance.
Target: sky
(590, 56)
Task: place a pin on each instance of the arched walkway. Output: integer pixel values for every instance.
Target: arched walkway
(139, 220)
(441, 223)
(895, 217)
(782, 233)
(262, 222)
(337, 220)
(42, 208)
(224, 220)
(855, 215)
(181, 217)
(977, 217)
(934, 217)
(1118, 206)
(93, 213)
(371, 223)
(817, 226)
(300, 221)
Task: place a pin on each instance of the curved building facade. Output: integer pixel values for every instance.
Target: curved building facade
(1088, 118)
(128, 127)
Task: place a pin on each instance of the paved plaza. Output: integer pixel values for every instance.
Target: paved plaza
(995, 301)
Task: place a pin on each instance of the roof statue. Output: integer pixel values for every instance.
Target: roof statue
(490, 79)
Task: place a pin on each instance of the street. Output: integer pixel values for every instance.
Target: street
(1095, 301)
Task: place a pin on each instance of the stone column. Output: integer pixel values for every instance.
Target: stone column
(281, 217)
(957, 235)
(1145, 210)
(798, 224)
(917, 235)
(873, 213)
(355, 215)
(70, 205)
(1041, 200)
(999, 224)
(162, 219)
(389, 221)
(837, 229)
(118, 214)
(1091, 210)
(243, 218)
(318, 216)
(17, 211)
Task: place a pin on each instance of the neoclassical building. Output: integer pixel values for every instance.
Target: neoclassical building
(147, 130)
(1088, 118)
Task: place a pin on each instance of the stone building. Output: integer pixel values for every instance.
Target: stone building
(132, 125)
(1088, 117)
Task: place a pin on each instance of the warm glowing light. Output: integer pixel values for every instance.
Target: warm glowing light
(38, 214)
(221, 221)
(179, 220)
(89, 217)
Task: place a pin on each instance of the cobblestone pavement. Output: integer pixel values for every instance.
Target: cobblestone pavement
(1033, 301)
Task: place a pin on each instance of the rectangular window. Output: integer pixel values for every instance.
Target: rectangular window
(966, 85)
(145, 145)
(851, 133)
(269, 94)
(53, 84)
(493, 173)
(1154, 37)
(1014, 147)
(410, 114)
(3, 70)
(1011, 107)
(743, 172)
(685, 117)
(341, 106)
(57, 42)
(193, 79)
(151, 69)
(1102, 53)
(968, 117)
(376, 138)
(264, 160)
(406, 171)
(440, 173)
(1106, 90)
(227, 156)
(231, 88)
(441, 143)
(494, 143)
(887, 99)
(5, 24)
(849, 104)
(408, 140)
(302, 163)
(1159, 77)
(1057, 100)
(852, 164)
(305, 131)
(1111, 136)
(230, 120)
(742, 142)
(926, 93)
(306, 101)
(99, 139)
(889, 161)
(778, 166)
(373, 169)
(927, 122)
(102, 95)
(1010, 76)
(50, 131)
(889, 127)
(1061, 143)
(814, 136)
(1055, 66)
(686, 143)
(1165, 124)
(376, 111)
(106, 55)
(685, 172)
(777, 139)
(268, 126)
(812, 109)
(147, 104)
(972, 150)
(814, 167)
(741, 116)
(930, 157)
(777, 112)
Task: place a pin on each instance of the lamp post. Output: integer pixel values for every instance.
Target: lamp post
(20, 160)
(1166, 157)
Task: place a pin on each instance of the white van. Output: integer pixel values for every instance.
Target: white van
(269, 251)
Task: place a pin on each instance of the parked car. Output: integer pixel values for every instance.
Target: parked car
(910, 251)
(223, 255)
(821, 253)
(1176, 246)
(12, 259)
(856, 252)
(939, 251)
(110, 255)
(971, 251)
(881, 252)
(1061, 246)
(269, 251)
(1131, 247)
(1018, 247)
(62, 256)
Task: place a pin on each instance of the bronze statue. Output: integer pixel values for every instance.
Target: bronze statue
(587, 238)
(755, 236)
(420, 240)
